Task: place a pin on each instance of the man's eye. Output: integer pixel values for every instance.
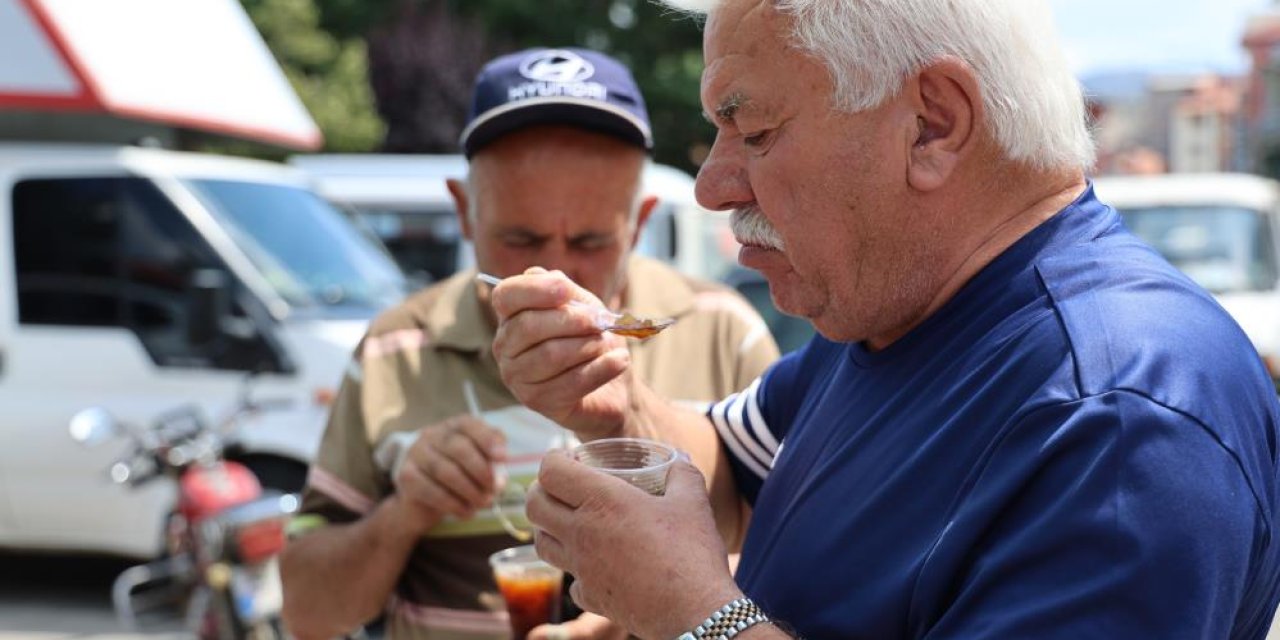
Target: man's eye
(755, 139)
(594, 244)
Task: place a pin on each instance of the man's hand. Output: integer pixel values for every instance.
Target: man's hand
(449, 470)
(554, 359)
(587, 626)
(655, 564)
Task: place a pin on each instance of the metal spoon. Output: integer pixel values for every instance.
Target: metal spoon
(623, 324)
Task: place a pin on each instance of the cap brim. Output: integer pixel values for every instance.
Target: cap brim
(592, 115)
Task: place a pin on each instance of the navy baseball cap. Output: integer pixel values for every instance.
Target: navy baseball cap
(568, 86)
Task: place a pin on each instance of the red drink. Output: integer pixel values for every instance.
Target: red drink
(530, 587)
(532, 599)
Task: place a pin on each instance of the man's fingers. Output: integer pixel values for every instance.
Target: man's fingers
(551, 550)
(581, 597)
(685, 481)
(587, 626)
(427, 493)
(532, 327)
(535, 289)
(551, 358)
(476, 447)
(572, 483)
(453, 479)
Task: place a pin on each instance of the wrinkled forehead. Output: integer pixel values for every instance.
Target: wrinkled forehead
(743, 26)
(747, 52)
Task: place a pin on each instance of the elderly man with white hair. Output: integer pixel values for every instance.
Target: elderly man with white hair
(1017, 421)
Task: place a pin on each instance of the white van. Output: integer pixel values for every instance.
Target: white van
(138, 279)
(402, 198)
(1221, 230)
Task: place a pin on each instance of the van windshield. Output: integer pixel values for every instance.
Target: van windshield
(1224, 249)
(307, 250)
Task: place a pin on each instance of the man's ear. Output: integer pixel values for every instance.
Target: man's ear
(642, 217)
(461, 199)
(948, 106)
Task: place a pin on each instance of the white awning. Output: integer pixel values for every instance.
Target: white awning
(195, 64)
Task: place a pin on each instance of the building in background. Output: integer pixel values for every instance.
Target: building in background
(1262, 101)
(1205, 127)
(1170, 123)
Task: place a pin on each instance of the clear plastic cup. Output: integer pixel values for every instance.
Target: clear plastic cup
(530, 587)
(643, 463)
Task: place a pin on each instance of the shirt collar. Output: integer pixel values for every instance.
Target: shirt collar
(457, 321)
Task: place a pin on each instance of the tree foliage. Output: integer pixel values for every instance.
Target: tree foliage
(663, 49)
(329, 71)
(396, 74)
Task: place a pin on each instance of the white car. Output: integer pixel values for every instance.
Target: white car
(137, 280)
(1222, 230)
(402, 199)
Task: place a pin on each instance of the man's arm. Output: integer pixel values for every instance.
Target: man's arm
(556, 362)
(692, 433)
(1108, 517)
(341, 576)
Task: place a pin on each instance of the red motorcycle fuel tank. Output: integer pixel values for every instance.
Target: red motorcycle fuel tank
(205, 490)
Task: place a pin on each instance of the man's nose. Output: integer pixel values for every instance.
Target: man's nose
(556, 258)
(722, 180)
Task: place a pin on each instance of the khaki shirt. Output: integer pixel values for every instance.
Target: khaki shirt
(408, 373)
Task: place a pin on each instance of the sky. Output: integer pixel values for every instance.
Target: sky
(1104, 36)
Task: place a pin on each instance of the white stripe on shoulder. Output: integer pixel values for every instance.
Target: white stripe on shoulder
(759, 427)
(736, 414)
(757, 333)
(394, 342)
(730, 439)
(341, 492)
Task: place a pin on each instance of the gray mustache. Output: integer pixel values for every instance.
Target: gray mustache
(750, 227)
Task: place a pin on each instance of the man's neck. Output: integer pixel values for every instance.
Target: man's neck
(998, 229)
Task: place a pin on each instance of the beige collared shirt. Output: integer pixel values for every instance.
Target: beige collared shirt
(408, 374)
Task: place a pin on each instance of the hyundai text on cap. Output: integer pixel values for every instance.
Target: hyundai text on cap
(571, 86)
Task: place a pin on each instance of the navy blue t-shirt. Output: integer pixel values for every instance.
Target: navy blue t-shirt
(1080, 444)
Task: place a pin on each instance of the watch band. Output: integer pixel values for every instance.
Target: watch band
(727, 621)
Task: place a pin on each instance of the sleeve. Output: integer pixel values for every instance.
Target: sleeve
(756, 351)
(1109, 517)
(752, 423)
(343, 483)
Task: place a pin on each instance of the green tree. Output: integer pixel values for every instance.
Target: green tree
(663, 49)
(328, 71)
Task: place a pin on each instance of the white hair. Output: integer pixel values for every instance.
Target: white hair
(1032, 100)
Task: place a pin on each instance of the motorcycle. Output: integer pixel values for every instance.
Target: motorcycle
(223, 534)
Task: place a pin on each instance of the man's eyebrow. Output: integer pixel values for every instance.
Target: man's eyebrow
(523, 233)
(728, 108)
(589, 236)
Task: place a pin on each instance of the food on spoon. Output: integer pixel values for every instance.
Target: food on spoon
(640, 328)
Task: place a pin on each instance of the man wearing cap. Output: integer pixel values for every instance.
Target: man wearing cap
(397, 515)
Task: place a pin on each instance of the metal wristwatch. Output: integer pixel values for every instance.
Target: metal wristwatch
(727, 621)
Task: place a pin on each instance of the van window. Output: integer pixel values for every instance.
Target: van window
(424, 242)
(1224, 249)
(309, 253)
(114, 252)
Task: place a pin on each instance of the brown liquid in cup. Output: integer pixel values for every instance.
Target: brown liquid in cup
(532, 600)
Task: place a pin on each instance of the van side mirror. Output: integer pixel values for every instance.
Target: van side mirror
(209, 302)
(92, 426)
